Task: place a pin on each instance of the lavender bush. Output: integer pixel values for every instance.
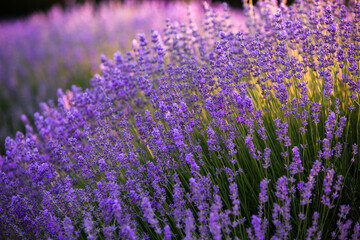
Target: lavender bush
(202, 132)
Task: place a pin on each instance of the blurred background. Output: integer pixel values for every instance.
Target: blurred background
(18, 8)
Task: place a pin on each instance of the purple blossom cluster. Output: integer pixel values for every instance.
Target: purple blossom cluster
(203, 132)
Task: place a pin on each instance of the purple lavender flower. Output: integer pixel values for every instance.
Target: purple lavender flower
(284, 193)
(314, 229)
(266, 158)
(128, 232)
(178, 138)
(68, 228)
(328, 182)
(356, 232)
(295, 166)
(343, 225)
(263, 198)
(281, 132)
(212, 140)
(90, 227)
(167, 233)
(307, 187)
(108, 232)
(234, 197)
(214, 225)
(302, 216)
(326, 153)
(189, 225)
(329, 125)
(149, 214)
(259, 228)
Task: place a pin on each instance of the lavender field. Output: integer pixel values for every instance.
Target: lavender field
(212, 124)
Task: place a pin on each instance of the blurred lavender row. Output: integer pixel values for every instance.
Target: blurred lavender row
(45, 52)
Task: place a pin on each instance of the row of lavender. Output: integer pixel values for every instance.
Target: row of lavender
(45, 52)
(201, 134)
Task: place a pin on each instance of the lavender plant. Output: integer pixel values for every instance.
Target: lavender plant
(201, 134)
